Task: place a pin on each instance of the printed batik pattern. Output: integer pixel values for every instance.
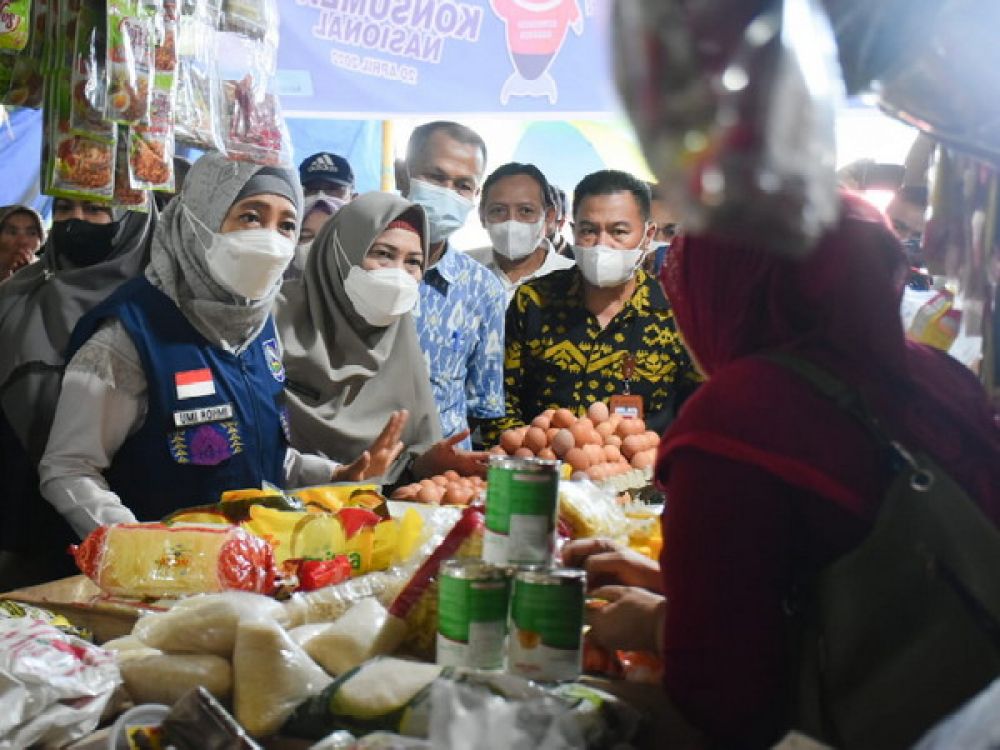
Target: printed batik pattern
(206, 444)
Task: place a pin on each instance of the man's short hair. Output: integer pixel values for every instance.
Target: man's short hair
(512, 169)
(609, 181)
(421, 135)
(557, 198)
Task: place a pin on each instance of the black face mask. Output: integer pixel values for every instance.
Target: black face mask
(82, 243)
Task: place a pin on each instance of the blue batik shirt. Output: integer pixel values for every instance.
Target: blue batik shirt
(460, 322)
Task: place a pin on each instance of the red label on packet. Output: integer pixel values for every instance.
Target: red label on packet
(627, 405)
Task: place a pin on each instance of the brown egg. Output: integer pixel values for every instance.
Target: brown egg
(581, 433)
(535, 439)
(551, 433)
(562, 443)
(652, 439)
(613, 440)
(630, 427)
(587, 421)
(406, 492)
(548, 413)
(598, 412)
(547, 453)
(633, 444)
(457, 495)
(451, 474)
(615, 420)
(611, 453)
(430, 492)
(604, 429)
(595, 437)
(644, 460)
(563, 418)
(542, 422)
(597, 473)
(578, 459)
(511, 440)
(576, 476)
(524, 453)
(496, 450)
(440, 480)
(595, 453)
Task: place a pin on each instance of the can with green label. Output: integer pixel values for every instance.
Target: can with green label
(546, 624)
(522, 501)
(473, 601)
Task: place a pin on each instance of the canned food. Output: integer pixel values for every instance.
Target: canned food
(546, 624)
(473, 599)
(522, 501)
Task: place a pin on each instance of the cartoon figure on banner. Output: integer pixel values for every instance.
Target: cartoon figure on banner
(536, 30)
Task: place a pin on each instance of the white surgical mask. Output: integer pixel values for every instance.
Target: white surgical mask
(607, 266)
(446, 210)
(333, 202)
(247, 263)
(515, 239)
(380, 296)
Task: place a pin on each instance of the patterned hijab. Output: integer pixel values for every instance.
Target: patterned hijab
(177, 266)
(344, 376)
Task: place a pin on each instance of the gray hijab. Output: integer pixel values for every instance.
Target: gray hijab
(345, 376)
(39, 307)
(177, 266)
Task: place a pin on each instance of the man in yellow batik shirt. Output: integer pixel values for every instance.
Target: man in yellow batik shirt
(603, 330)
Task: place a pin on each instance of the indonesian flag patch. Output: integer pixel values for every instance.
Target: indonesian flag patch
(194, 383)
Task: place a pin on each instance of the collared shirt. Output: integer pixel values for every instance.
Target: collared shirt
(553, 262)
(460, 324)
(557, 354)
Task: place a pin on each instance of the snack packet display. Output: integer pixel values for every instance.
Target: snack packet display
(15, 25)
(27, 83)
(735, 111)
(88, 102)
(131, 38)
(253, 128)
(125, 195)
(154, 560)
(197, 110)
(82, 163)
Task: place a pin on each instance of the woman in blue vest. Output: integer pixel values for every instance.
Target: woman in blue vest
(173, 392)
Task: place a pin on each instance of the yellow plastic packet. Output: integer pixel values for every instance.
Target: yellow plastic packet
(333, 497)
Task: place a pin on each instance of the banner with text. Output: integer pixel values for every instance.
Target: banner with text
(410, 57)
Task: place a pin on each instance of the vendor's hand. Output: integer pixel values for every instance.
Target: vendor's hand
(609, 563)
(443, 456)
(632, 619)
(380, 455)
(17, 261)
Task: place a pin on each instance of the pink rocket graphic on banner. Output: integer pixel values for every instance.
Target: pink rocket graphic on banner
(536, 30)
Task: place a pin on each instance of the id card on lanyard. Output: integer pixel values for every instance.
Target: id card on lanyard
(627, 404)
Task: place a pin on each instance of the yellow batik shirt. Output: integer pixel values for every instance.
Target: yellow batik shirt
(557, 354)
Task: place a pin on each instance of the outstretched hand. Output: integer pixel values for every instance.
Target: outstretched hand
(607, 562)
(628, 618)
(380, 455)
(443, 455)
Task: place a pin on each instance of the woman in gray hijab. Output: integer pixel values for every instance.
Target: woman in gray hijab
(174, 390)
(351, 349)
(89, 253)
(21, 236)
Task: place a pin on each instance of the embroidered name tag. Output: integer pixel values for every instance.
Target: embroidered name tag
(194, 383)
(203, 416)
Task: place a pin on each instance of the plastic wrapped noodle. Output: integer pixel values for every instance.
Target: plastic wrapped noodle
(592, 511)
(164, 678)
(272, 676)
(154, 560)
(129, 647)
(735, 113)
(205, 624)
(346, 643)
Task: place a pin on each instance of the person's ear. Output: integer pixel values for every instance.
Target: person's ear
(402, 173)
(550, 216)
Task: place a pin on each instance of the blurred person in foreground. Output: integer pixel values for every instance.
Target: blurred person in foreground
(21, 237)
(769, 481)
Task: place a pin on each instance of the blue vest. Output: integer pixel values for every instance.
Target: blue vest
(215, 420)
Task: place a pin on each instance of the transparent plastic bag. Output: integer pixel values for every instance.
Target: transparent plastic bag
(196, 111)
(131, 39)
(735, 114)
(592, 511)
(55, 685)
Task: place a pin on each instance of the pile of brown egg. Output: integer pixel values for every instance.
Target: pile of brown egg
(444, 489)
(598, 446)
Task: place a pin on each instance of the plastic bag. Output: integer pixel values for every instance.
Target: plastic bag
(154, 560)
(591, 511)
(205, 624)
(196, 108)
(55, 686)
(89, 70)
(165, 678)
(735, 114)
(352, 640)
(131, 37)
(125, 195)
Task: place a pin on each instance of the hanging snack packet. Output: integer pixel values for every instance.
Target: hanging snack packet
(15, 25)
(83, 164)
(151, 142)
(87, 109)
(125, 195)
(254, 128)
(27, 84)
(196, 106)
(131, 39)
(255, 19)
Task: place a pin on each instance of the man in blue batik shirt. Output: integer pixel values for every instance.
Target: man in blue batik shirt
(462, 305)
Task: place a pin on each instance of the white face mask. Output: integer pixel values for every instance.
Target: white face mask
(515, 239)
(446, 210)
(608, 266)
(380, 296)
(247, 263)
(333, 202)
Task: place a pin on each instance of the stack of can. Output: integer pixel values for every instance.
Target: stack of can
(515, 608)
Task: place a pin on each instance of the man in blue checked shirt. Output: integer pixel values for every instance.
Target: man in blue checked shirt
(462, 305)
